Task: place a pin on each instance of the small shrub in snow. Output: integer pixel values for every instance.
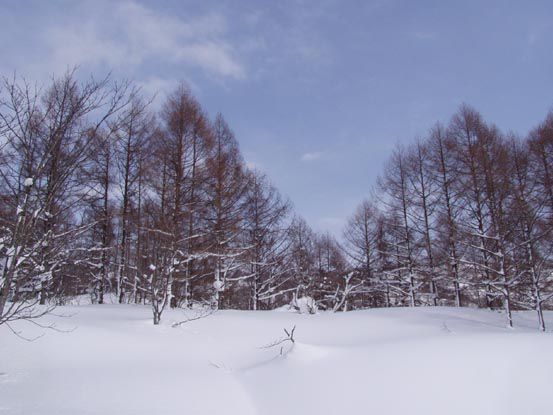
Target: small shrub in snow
(304, 305)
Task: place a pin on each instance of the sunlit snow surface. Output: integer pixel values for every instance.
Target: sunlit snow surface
(385, 361)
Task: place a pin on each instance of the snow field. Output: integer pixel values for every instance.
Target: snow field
(393, 361)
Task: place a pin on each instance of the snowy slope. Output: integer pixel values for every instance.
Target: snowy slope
(417, 361)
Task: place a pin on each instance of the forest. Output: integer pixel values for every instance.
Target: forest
(104, 194)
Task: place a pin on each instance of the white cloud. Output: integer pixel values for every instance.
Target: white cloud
(307, 157)
(132, 34)
(157, 89)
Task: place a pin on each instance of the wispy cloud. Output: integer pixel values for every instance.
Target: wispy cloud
(316, 155)
(132, 34)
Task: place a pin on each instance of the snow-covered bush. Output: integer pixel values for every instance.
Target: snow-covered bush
(304, 305)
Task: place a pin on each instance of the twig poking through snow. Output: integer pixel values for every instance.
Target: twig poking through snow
(221, 366)
(289, 338)
(202, 314)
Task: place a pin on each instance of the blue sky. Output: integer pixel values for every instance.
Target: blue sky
(317, 92)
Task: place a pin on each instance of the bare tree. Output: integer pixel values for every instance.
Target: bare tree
(133, 130)
(225, 188)
(397, 197)
(264, 231)
(46, 136)
(99, 211)
(424, 198)
(185, 144)
(447, 206)
(360, 235)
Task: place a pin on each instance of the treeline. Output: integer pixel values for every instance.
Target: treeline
(462, 217)
(100, 194)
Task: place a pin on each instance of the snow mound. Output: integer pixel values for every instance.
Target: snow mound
(307, 353)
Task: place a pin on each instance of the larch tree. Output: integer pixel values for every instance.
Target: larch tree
(424, 198)
(225, 188)
(398, 200)
(447, 206)
(186, 141)
(133, 131)
(264, 233)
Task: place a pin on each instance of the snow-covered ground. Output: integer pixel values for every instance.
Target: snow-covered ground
(386, 361)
